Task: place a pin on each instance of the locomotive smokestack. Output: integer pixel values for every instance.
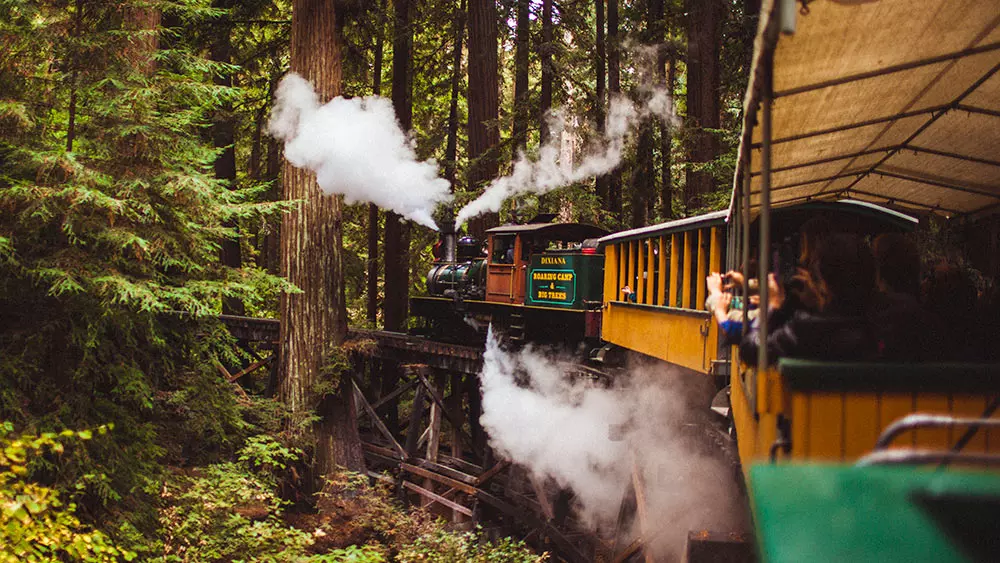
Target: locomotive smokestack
(449, 240)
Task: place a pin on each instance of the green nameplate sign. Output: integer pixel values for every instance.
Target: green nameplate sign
(556, 287)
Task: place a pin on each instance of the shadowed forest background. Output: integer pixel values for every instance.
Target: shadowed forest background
(142, 196)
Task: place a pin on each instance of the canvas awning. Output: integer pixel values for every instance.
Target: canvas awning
(895, 102)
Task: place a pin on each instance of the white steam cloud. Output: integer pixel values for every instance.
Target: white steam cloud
(545, 174)
(561, 428)
(357, 149)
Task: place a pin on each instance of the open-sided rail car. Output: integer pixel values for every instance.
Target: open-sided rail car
(654, 277)
(892, 102)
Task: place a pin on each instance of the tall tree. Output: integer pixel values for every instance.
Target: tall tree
(397, 242)
(704, 27)
(600, 95)
(371, 303)
(548, 70)
(311, 259)
(484, 135)
(667, 69)
(519, 135)
(451, 148)
(614, 89)
(224, 139)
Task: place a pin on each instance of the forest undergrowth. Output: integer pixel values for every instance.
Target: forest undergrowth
(248, 509)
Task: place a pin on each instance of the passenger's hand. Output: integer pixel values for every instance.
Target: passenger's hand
(775, 294)
(722, 303)
(808, 292)
(714, 283)
(734, 278)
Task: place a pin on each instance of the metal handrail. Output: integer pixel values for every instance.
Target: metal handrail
(923, 457)
(916, 421)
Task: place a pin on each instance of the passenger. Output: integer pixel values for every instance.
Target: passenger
(905, 332)
(801, 293)
(728, 311)
(844, 273)
(628, 294)
(950, 298)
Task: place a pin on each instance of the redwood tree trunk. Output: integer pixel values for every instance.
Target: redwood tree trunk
(224, 138)
(521, 109)
(371, 305)
(397, 247)
(314, 321)
(484, 135)
(614, 89)
(451, 149)
(600, 97)
(703, 106)
(548, 71)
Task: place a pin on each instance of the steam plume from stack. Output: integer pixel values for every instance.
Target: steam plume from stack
(357, 149)
(545, 174)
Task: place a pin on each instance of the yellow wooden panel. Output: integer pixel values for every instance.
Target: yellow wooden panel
(743, 419)
(689, 241)
(860, 424)
(715, 255)
(825, 433)
(671, 336)
(892, 407)
(622, 271)
(969, 406)
(630, 269)
(932, 403)
(675, 262)
(767, 434)
(800, 411)
(650, 294)
(610, 272)
(699, 280)
(661, 289)
(640, 278)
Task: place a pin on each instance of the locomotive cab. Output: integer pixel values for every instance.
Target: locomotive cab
(544, 264)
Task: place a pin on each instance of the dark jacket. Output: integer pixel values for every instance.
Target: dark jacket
(904, 330)
(815, 336)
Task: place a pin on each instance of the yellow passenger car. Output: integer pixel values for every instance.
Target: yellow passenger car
(893, 102)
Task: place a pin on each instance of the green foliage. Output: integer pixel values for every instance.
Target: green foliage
(351, 554)
(446, 547)
(35, 524)
(109, 241)
(225, 512)
(264, 453)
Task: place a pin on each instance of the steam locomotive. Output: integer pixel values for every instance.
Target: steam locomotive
(538, 282)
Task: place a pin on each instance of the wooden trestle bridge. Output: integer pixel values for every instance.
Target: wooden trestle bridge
(418, 406)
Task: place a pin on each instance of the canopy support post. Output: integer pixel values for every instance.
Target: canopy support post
(764, 220)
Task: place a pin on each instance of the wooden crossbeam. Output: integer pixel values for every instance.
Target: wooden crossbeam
(377, 421)
(397, 392)
(452, 417)
(492, 472)
(437, 498)
(447, 471)
(447, 481)
(543, 498)
(251, 368)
